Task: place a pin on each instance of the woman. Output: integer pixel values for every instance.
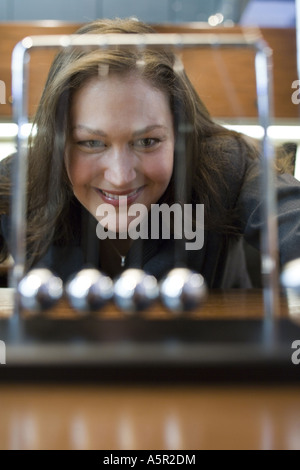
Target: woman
(118, 128)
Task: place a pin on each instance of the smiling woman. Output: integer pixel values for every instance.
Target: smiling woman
(122, 127)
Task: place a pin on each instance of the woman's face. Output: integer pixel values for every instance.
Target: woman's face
(121, 148)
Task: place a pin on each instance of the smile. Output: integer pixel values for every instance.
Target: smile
(117, 196)
(120, 198)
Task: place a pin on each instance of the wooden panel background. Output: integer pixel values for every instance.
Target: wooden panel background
(224, 78)
(10, 35)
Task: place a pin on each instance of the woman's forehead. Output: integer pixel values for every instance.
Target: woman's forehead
(123, 102)
(114, 86)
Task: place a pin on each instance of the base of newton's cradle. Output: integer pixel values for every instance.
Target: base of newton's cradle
(139, 350)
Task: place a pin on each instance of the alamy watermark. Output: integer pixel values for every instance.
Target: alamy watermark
(296, 353)
(2, 353)
(296, 94)
(2, 92)
(166, 221)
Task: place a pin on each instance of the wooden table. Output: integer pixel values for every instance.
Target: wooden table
(133, 416)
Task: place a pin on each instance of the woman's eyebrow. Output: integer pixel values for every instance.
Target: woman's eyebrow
(89, 129)
(147, 129)
(137, 133)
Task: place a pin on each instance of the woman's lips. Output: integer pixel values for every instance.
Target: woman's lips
(120, 198)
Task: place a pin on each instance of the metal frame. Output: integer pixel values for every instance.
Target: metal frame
(263, 71)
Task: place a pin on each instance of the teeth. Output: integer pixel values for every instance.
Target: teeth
(115, 196)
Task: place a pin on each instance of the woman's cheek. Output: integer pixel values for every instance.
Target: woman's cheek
(162, 173)
(161, 168)
(80, 172)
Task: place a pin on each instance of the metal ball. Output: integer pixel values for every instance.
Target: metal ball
(39, 290)
(135, 290)
(290, 276)
(182, 290)
(89, 290)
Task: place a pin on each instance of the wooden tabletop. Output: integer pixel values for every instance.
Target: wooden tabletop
(182, 418)
(154, 416)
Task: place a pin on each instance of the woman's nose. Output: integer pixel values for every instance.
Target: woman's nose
(120, 170)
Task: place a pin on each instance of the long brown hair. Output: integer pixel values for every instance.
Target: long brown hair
(208, 146)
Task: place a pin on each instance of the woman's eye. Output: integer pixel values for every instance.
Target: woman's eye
(91, 144)
(146, 143)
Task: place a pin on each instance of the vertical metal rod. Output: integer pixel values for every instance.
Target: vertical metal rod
(20, 59)
(180, 164)
(297, 6)
(269, 234)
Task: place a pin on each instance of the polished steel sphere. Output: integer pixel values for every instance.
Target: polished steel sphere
(290, 276)
(135, 291)
(89, 290)
(182, 290)
(39, 290)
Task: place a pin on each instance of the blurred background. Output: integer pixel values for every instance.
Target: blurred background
(276, 13)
